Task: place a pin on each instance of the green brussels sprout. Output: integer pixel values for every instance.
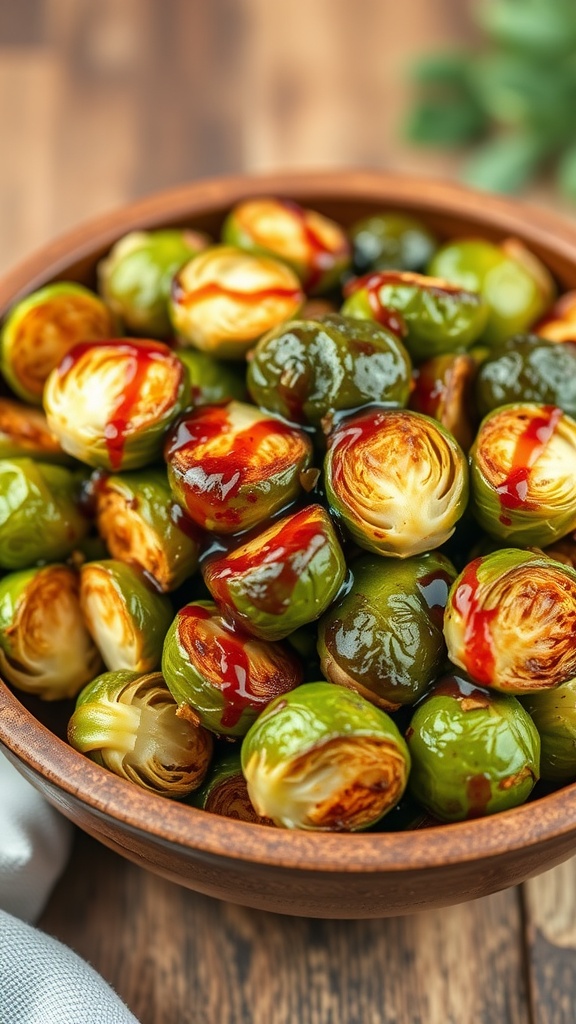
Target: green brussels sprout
(431, 315)
(510, 621)
(128, 723)
(225, 791)
(109, 403)
(231, 467)
(223, 300)
(515, 285)
(397, 480)
(40, 520)
(140, 523)
(40, 330)
(126, 619)
(212, 381)
(443, 389)
(315, 247)
(384, 637)
(559, 322)
(391, 241)
(24, 432)
(307, 369)
(473, 752)
(218, 676)
(522, 474)
(281, 579)
(322, 757)
(527, 368)
(136, 276)
(554, 715)
(45, 648)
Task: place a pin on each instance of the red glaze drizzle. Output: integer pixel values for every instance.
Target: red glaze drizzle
(212, 290)
(183, 522)
(531, 443)
(479, 793)
(371, 283)
(322, 258)
(478, 651)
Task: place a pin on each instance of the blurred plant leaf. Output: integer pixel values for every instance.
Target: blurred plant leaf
(566, 173)
(517, 90)
(545, 27)
(451, 121)
(505, 163)
(448, 69)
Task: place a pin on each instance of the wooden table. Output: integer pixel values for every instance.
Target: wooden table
(104, 100)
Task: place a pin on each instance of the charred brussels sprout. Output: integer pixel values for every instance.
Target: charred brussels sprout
(515, 285)
(212, 381)
(45, 648)
(397, 480)
(225, 299)
(313, 245)
(391, 241)
(39, 517)
(41, 329)
(110, 403)
(554, 715)
(559, 323)
(231, 467)
(126, 619)
(140, 523)
(218, 676)
(443, 389)
(225, 791)
(384, 638)
(309, 368)
(136, 276)
(510, 621)
(281, 579)
(431, 315)
(24, 432)
(323, 758)
(473, 753)
(523, 474)
(527, 368)
(128, 723)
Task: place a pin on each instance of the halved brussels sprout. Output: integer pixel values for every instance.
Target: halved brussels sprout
(309, 368)
(391, 241)
(126, 619)
(45, 648)
(559, 323)
(213, 381)
(225, 299)
(527, 368)
(140, 523)
(431, 315)
(397, 480)
(136, 276)
(39, 516)
(554, 715)
(225, 791)
(510, 621)
(231, 467)
(322, 757)
(41, 329)
(523, 474)
(128, 723)
(281, 579)
(314, 246)
(109, 403)
(443, 389)
(473, 752)
(220, 677)
(384, 637)
(24, 432)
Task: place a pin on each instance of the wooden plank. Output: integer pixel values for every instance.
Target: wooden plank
(550, 915)
(21, 23)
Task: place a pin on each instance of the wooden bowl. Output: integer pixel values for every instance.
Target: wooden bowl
(320, 875)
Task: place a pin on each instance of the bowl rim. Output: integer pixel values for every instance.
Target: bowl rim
(43, 753)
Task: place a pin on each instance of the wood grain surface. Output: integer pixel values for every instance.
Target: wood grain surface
(106, 100)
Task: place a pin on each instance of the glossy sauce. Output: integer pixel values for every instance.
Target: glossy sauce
(321, 258)
(212, 290)
(372, 283)
(479, 793)
(478, 649)
(434, 588)
(530, 445)
(183, 522)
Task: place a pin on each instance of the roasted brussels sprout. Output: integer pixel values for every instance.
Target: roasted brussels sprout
(225, 791)
(559, 323)
(281, 579)
(128, 723)
(443, 389)
(126, 619)
(397, 480)
(109, 403)
(45, 648)
(24, 432)
(527, 368)
(384, 637)
(391, 241)
(137, 517)
(231, 467)
(39, 516)
(431, 315)
(515, 285)
(554, 715)
(218, 676)
(212, 381)
(225, 299)
(510, 621)
(322, 757)
(41, 329)
(135, 278)
(523, 474)
(309, 368)
(473, 752)
(315, 247)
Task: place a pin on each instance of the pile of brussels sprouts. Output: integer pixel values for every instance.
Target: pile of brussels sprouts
(292, 516)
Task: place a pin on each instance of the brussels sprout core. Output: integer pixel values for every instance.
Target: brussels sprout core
(225, 792)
